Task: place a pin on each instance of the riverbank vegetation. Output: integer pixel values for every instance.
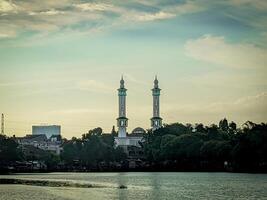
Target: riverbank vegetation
(174, 147)
(209, 148)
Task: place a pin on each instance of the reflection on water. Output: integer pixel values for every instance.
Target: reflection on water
(122, 194)
(155, 192)
(140, 186)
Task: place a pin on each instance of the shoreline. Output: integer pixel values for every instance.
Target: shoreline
(49, 183)
(131, 171)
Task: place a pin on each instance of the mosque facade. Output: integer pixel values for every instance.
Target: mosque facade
(124, 139)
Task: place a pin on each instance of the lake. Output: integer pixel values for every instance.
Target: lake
(140, 186)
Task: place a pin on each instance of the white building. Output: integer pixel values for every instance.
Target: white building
(124, 139)
(47, 130)
(156, 120)
(122, 120)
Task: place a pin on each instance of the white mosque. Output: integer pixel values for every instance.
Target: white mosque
(124, 139)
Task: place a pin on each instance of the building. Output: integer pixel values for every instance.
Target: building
(122, 120)
(156, 120)
(45, 137)
(52, 144)
(125, 140)
(48, 130)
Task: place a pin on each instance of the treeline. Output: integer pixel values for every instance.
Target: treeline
(209, 148)
(174, 147)
(12, 154)
(94, 150)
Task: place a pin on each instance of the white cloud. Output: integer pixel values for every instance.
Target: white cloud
(252, 108)
(7, 33)
(188, 7)
(48, 12)
(45, 17)
(251, 13)
(216, 50)
(167, 12)
(37, 6)
(249, 104)
(54, 16)
(93, 6)
(258, 4)
(154, 16)
(126, 14)
(7, 6)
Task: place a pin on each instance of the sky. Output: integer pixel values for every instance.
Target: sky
(61, 62)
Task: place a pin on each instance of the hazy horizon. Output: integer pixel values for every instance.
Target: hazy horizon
(61, 62)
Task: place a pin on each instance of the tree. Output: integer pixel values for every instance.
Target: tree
(96, 131)
(215, 150)
(9, 150)
(232, 126)
(200, 128)
(223, 124)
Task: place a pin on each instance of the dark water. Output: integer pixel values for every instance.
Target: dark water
(140, 186)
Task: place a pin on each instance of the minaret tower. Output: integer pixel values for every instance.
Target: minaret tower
(122, 120)
(156, 120)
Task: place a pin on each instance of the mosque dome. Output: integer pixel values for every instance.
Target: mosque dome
(138, 130)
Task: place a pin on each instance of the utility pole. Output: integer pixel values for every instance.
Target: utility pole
(2, 125)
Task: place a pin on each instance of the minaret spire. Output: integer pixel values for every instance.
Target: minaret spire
(156, 82)
(156, 120)
(122, 82)
(122, 120)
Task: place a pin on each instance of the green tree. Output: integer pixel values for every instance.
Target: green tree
(9, 150)
(223, 125)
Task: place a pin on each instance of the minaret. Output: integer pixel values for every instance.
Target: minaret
(122, 120)
(156, 120)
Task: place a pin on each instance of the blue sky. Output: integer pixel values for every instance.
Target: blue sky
(61, 61)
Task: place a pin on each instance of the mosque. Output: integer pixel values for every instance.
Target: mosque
(124, 139)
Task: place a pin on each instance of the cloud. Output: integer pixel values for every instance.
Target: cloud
(186, 8)
(216, 50)
(245, 105)
(46, 17)
(245, 108)
(80, 111)
(48, 12)
(246, 12)
(94, 6)
(7, 84)
(7, 33)
(154, 16)
(258, 4)
(133, 79)
(164, 12)
(7, 6)
(94, 86)
(72, 16)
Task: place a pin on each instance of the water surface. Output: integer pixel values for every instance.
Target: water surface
(140, 186)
